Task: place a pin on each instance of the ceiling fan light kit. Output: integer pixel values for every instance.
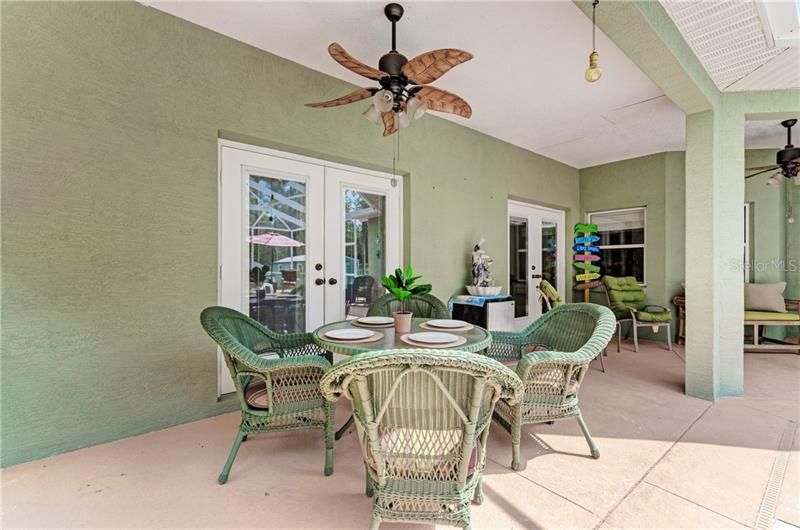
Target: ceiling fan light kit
(404, 91)
(787, 161)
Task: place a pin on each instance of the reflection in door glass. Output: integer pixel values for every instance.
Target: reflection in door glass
(277, 236)
(518, 259)
(549, 255)
(364, 250)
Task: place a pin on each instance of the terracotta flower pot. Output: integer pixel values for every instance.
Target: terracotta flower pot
(402, 321)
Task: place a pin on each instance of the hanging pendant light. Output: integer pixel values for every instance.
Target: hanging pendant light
(594, 72)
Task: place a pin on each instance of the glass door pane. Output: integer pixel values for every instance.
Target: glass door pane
(549, 239)
(518, 260)
(364, 250)
(276, 242)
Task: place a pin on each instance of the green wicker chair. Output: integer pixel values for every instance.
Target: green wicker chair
(276, 394)
(422, 305)
(553, 355)
(423, 418)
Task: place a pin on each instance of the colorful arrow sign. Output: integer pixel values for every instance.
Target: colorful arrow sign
(583, 248)
(586, 266)
(587, 239)
(587, 285)
(587, 257)
(586, 277)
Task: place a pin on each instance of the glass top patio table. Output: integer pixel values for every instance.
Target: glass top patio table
(478, 338)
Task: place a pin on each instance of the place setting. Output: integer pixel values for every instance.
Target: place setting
(447, 325)
(373, 322)
(433, 339)
(353, 336)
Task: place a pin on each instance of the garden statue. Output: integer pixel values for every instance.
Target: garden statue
(481, 275)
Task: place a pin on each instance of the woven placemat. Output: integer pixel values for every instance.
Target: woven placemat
(425, 325)
(459, 342)
(375, 338)
(358, 324)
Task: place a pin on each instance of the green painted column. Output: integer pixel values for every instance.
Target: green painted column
(714, 276)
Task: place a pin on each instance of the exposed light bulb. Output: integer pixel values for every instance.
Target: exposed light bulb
(402, 120)
(594, 72)
(775, 180)
(416, 108)
(383, 100)
(372, 114)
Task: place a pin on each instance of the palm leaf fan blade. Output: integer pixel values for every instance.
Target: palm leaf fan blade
(430, 66)
(341, 56)
(443, 101)
(352, 97)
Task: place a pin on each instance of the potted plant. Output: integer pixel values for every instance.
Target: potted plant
(402, 284)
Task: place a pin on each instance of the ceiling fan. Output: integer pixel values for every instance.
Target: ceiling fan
(787, 161)
(404, 90)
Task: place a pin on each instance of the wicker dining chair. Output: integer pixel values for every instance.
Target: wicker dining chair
(422, 417)
(421, 305)
(276, 378)
(553, 355)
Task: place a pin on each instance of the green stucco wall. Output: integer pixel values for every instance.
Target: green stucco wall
(633, 183)
(111, 115)
(658, 182)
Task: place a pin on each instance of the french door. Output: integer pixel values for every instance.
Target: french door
(302, 241)
(536, 252)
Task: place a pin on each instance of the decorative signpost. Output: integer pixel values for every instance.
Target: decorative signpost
(586, 254)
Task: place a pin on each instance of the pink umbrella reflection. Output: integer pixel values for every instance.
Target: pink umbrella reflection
(274, 240)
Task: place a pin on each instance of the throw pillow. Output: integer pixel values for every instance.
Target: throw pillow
(764, 297)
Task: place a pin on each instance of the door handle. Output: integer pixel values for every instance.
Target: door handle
(332, 281)
(319, 281)
(536, 276)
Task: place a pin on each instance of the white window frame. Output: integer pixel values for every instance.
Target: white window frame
(642, 245)
(746, 242)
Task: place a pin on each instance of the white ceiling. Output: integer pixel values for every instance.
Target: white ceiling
(730, 39)
(525, 84)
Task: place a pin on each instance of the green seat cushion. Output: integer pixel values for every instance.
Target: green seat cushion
(658, 316)
(769, 315)
(551, 293)
(625, 294)
(255, 394)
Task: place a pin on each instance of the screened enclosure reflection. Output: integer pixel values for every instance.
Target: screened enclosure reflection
(277, 236)
(364, 252)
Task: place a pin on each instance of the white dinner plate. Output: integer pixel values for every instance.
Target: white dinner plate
(433, 337)
(375, 321)
(446, 324)
(349, 334)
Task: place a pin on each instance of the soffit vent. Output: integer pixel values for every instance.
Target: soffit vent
(728, 39)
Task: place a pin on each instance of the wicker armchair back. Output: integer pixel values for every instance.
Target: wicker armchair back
(423, 419)
(287, 381)
(422, 305)
(553, 356)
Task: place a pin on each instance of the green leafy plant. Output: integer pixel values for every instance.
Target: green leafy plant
(402, 284)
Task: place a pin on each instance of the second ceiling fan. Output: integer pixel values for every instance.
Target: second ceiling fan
(404, 92)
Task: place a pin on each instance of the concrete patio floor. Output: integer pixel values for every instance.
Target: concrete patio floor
(667, 460)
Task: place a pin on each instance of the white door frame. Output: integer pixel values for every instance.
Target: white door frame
(528, 210)
(229, 244)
